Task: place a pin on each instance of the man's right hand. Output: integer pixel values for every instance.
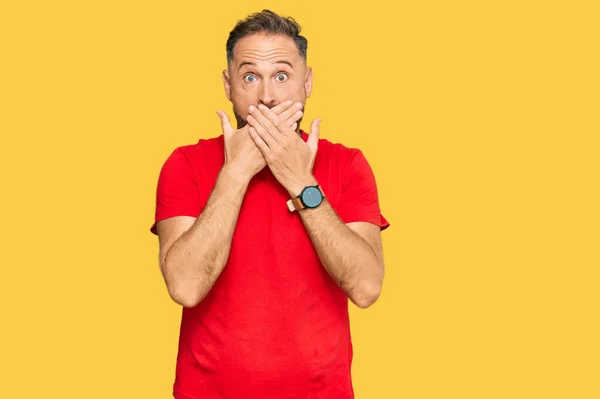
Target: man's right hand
(241, 153)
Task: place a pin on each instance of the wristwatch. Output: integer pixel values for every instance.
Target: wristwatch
(310, 197)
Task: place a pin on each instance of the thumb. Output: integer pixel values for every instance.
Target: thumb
(225, 124)
(313, 137)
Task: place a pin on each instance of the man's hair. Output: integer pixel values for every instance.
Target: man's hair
(268, 22)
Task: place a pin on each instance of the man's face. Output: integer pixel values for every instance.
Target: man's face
(268, 70)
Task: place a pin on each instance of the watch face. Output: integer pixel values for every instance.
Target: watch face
(311, 197)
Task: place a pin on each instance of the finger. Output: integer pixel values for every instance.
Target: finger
(295, 117)
(273, 119)
(260, 143)
(283, 121)
(225, 123)
(313, 138)
(294, 126)
(264, 121)
(279, 108)
(291, 111)
(261, 131)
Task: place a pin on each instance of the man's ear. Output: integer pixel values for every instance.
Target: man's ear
(227, 83)
(308, 80)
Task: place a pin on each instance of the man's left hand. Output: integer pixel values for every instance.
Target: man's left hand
(290, 158)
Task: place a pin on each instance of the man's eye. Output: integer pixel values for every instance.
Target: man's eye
(282, 77)
(249, 78)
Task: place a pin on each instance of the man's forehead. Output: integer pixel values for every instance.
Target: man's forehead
(269, 48)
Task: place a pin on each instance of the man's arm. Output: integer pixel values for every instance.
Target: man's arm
(193, 252)
(351, 253)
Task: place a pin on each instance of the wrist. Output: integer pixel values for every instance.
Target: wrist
(234, 175)
(296, 187)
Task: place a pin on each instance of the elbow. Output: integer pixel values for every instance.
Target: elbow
(189, 303)
(368, 290)
(367, 295)
(184, 296)
(182, 291)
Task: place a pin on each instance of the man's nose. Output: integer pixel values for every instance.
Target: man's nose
(266, 95)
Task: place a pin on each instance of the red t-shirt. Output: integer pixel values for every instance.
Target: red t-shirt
(274, 325)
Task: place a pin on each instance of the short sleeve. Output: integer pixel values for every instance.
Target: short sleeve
(359, 201)
(177, 189)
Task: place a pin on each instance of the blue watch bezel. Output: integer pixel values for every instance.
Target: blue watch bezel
(304, 192)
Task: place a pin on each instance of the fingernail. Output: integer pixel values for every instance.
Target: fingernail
(262, 107)
(298, 105)
(252, 108)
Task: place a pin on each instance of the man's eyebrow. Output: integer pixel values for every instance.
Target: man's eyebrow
(245, 63)
(285, 62)
(277, 62)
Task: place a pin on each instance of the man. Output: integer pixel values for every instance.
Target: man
(265, 232)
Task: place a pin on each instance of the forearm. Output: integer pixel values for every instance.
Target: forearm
(197, 258)
(347, 257)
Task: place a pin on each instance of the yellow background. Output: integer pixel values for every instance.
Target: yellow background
(480, 120)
